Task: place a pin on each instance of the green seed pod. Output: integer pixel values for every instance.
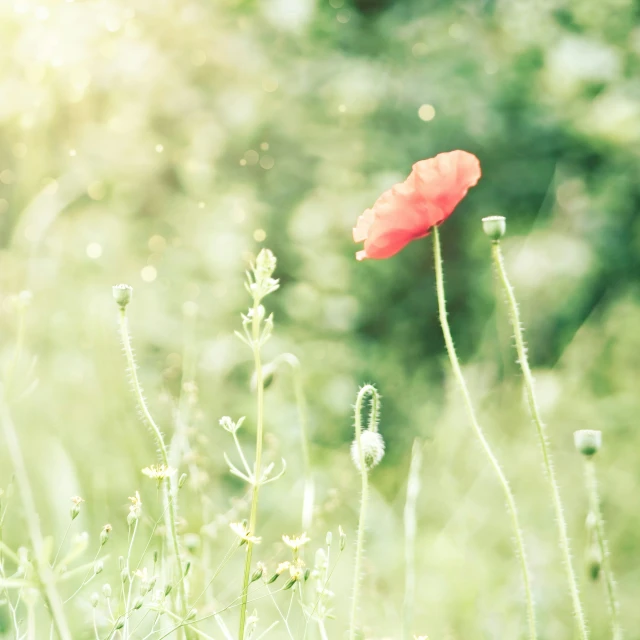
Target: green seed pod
(588, 441)
(122, 294)
(494, 226)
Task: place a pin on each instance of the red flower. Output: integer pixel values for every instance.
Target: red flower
(411, 208)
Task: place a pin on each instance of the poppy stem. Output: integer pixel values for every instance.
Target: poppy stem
(366, 390)
(511, 505)
(169, 498)
(514, 316)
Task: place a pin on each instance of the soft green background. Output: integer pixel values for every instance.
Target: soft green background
(162, 143)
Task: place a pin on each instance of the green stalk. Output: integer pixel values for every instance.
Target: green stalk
(367, 390)
(594, 507)
(164, 457)
(511, 505)
(45, 575)
(257, 473)
(514, 316)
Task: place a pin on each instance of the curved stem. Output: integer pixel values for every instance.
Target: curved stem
(257, 472)
(594, 506)
(164, 457)
(511, 505)
(367, 390)
(514, 316)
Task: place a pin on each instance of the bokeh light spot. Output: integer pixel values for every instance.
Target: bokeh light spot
(426, 112)
(259, 235)
(149, 273)
(94, 250)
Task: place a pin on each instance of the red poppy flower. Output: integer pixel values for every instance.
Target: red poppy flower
(410, 209)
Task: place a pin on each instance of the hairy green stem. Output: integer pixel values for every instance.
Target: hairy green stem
(367, 390)
(257, 472)
(594, 507)
(514, 316)
(511, 505)
(164, 457)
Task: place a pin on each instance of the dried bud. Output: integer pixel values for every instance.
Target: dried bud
(494, 226)
(122, 294)
(372, 448)
(588, 441)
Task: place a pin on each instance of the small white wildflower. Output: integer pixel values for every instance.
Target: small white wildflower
(296, 542)
(242, 531)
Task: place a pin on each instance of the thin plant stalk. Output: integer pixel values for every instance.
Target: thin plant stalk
(46, 578)
(514, 316)
(301, 403)
(493, 460)
(413, 489)
(594, 507)
(257, 472)
(367, 390)
(164, 458)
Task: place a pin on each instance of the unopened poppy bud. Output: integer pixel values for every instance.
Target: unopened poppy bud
(104, 534)
(372, 449)
(594, 563)
(106, 590)
(494, 226)
(122, 294)
(94, 599)
(182, 480)
(98, 567)
(588, 441)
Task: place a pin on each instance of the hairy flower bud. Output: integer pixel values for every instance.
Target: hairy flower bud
(372, 448)
(494, 226)
(588, 441)
(122, 294)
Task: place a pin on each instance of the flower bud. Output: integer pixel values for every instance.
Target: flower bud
(122, 294)
(119, 623)
(138, 603)
(104, 534)
(372, 448)
(124, 576)
(494, 226)
(132, 518)
(588, 441)
(268, 376)
(273, 578)
(594, 562)
(343, 539)
(257, 574)
(290, 582)
(167, 590)
(94, 599)
(182, 480)
(98, 567)
(329, 538)
(106, 590)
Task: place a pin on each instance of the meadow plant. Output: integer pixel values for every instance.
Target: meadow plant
(588, 442)
(495, 228)
(367, 450)
(411, 210)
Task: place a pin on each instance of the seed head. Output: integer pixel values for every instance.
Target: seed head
(122, 294)
(494, 226)
(588, 441)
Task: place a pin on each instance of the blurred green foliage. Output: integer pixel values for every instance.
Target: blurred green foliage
(161, 144)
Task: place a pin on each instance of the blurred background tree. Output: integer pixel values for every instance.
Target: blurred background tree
(162, 144)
